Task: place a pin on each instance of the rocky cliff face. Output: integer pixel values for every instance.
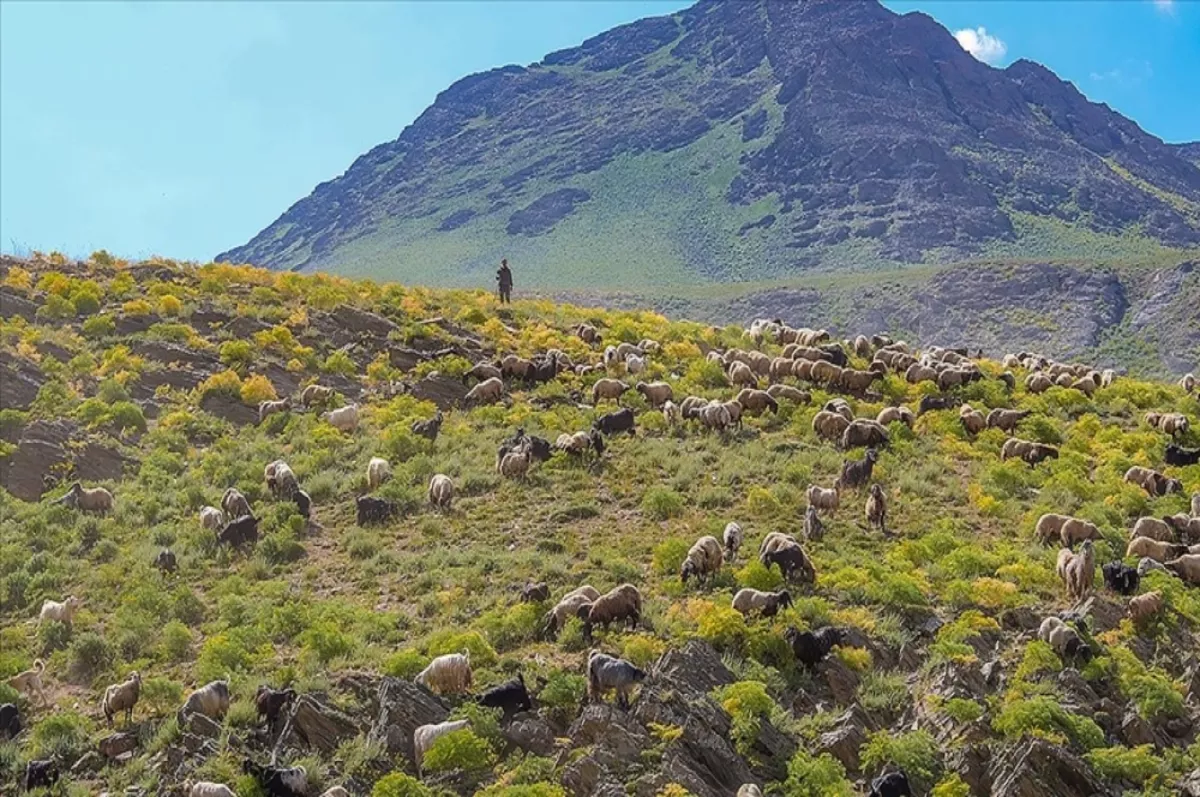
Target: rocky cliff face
(805, 129)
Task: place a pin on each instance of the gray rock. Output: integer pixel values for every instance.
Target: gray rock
(445, 392)
(530, 732)
(202, 726)
(847, 738)
(115, 744)
(362, 322)
(1190, 785)
(317, 725)
(1037, 768)
(229, 408)
(1135, 730)
(404, 707)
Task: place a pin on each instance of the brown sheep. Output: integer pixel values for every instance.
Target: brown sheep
(855, 381)
(1145, 607)
(1187, 527)
(802, 369)
(1153, 528)
(741, 374)
(1154, 549)
(824, 499)
(514, 367)
(972, 419)
(781, 368)
(608, 389)
(1030, 452)
(792, 394)
(877, 509)
(656, 393)
(890, 415)
(755, 401)
(704, 560)
(623, 603)
(861, 345)
(1049, 526)
(829, 426)
(864, 433)
(1077, 570)
(315, 394)
(841, 407)
(825, 373)
(1153, 482)
(1186, 567)
(783, 550)
(1006, 420)
(1076, 530)
(1038, 383)
(920, 373)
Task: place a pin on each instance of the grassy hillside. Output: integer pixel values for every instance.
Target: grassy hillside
(159, 365)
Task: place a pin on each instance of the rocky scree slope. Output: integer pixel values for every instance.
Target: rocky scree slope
(159, 367)
(740, 141)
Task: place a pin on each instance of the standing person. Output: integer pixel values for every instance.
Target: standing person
(504, 278)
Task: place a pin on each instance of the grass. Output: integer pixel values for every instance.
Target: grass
(308, 603)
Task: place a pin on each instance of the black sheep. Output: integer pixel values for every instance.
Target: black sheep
(811, 647)
(1182, 457)
(10, 721)
(428, 429)
(597, 441)
(240, 531)
(278, 781)
(535, 593)
(270, 703)
(374, 510)
(165, 561)
(856, 473)
(793, 563)
(937, 403)
(303, 502)
(539, 448)
(834, 354)
(1039, 452)
(511, 697)
(893, 784)
(1121, 578)
(40, 774)
(615, 422)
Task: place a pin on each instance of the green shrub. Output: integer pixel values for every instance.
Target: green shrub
(1121, 763)
(63, 734)
(563, 690)
(88, 656)
(450, 641)
(99, 326)
(405, 664)
(816, 776)
(961, 709)
(915, 752)
(668, 556)
(660, 503)
(325, 642)
(461, 749)
(1043, 717)
(398, 784)
(951, 786)
(886, 691)
(236, 353)
(52, 636)
(747, 703)
(162, 695)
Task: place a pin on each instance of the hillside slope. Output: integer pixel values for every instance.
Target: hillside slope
(145, 378)
(741, 141)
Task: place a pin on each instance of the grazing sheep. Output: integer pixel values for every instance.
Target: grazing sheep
(672, 413)
(920, 373)
(623, 603)
(489, 391)
(441, 491)
(1038, 383)
(802, 370)
(877, 509)
(749, 790)
(10, 721)
(1121, 578)
(580, 443)
(767, 604)
(892, 784)
(610, 356)
(608, 672)
(481, 372)
(857, 382)
(510, 697)
(890, 415)
(756, 401)
(63, 612)
(615, 422)
(1186, 567)
(206, 788)
(1154, 549)
(1006, 420)
(1147, 565)
(856, 473)
(690, 407)
(824, 499)
(1064, 639)
(930, 403)
(281, 480)
(1172, 423)
(1153, 528)
(122, 697)
(814, 530)
(783, 550)
(344, 419)
(825, 373)
(535, 593)
(426, 735)
(864, 433)
(972, 419)
(268, 408)
(40, 774)
(732, 536)
(704, 560)
(587, 333)
(429, 428)
(29, 682)
(1075, 530)
(829, 425)
(234, 504)
(792, 394)
(567, 607)
(372, 510)
(212, 518)
(270, 703)
(635, 364)
(1188, 382)
(278, 781)
(211, 700)
(514, 464)
(514, 367)
(1077, 570)
(781, 368)
(607, 388)
(1145, 607)
(315, 394)
(1181, 457)
(449, 674)
(239, 531)
(741, 374)
(1107, 377)
(1026, 450)
(811, 647)
(1188, 528)
(657, 393)
(626, 349)
(379, 470)
(1153, 482)
(87, 499)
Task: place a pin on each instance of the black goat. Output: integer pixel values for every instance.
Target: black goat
(1180, 456)
(10, 721)
(535, 593)
(937, 403)
(278, 781)
(165, 561)
(40, 774)
(239, 531)
(857, 472)
(893, 784)
(811, 647)
(1121, 578)
(430, 428)
(374, 510)
(511, 697)
(615, 422)
(303, 502)
(271, 703)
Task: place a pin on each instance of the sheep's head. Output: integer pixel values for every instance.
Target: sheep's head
(73, 603)
(687, 570)
(785, 599)
(872, 455)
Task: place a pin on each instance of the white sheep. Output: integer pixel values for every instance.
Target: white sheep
(212, 518)
(379, 470)
(704, 559)
(122, 697)
(208, 789)
(448, 674)
(767, 604)
(635, 364)
(824, 499)
(426, 735)
(732, 536)
(94, 499)
(344, 419)
(441, 491)
(672, 413)
(514, 464)
(211, 700)
(63, 612)
(489, 391)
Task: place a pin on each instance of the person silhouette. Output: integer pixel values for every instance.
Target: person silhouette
(505, 282)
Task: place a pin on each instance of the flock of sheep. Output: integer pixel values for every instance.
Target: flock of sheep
(1171, 543)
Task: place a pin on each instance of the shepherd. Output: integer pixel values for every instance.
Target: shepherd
(504, 278)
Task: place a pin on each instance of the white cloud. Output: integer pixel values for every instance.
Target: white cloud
(1130, 74)
(1165, 6)
(981, 44)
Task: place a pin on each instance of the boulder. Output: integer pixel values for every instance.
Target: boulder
(362, 322)
(202, 726)
(117, 744)
(40, 458)
(971, 761)
(96, 463)
(847, 737)
(1190, 785)
(126, 325)
(167, 353)
(1036, 768)
(229, 408)
(316, 724)
(444, 392)
(20, 380)
(12, 305)
(530, 732)
(404, 707)
(841, 680)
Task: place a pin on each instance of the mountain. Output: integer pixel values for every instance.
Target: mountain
(145, 379)
(742, 142)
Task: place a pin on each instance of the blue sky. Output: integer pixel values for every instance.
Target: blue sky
(183, 129)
